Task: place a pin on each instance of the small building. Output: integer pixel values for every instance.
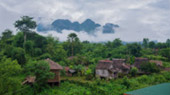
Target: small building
(69, 72)
(111, 68)
(160, 89)
(103, 69)
(54, 67)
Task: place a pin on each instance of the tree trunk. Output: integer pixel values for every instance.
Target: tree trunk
(25, 38)
(72, 50)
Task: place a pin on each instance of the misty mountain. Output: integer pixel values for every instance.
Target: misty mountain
(109, 28)
(88, 26)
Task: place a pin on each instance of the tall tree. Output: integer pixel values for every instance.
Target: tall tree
(73, 40)
(55, 49)
(25, 24)
(145, 42)
(134, 49)
(117, 42)
(152, 44)
(6, 34)
(114, 44)
(6, 38)
(168, 42)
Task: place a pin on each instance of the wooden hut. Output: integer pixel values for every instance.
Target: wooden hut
(55, 68)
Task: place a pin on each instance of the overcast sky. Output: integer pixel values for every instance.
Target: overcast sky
(137, 19)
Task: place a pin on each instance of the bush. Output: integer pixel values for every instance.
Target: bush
(41, 70)
(133, 71)
(88, 74)
(150, 68)
(9, 70)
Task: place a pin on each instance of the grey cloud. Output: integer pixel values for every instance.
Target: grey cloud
(137, 18)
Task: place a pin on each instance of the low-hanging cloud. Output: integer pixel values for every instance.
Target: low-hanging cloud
(98, 36)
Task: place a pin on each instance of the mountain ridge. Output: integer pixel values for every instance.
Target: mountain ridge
(88, 26)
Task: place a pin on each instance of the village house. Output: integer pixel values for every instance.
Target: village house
(54, 67)
(111, 68)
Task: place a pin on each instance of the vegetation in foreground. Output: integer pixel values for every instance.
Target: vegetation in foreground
(20, 53)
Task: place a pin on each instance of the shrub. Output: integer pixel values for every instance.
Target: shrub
(41, 70)
(133, 71)
(150, 68)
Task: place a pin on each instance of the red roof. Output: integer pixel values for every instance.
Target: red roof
(54, 65)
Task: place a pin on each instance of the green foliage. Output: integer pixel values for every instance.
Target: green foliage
(131, 59)
(134, 49)
(25, 24)
(166, 64)
(29, 45)
(54, 49)
(145, 43)
(119, 52)
(165, 53)
(41, 70)
(114, 44)
(6, 35)
(16, 53)
(150, 68)
(67, 88)
(73, 45)
(133, 71)
(168, 42)
(18, 40)
(89, 74)
(45, 56)
(155, 57)
(160, 45)
(9, 83)
(77, 60)
(152, 44)
(147, 51)
(19, 55)
(18, 50)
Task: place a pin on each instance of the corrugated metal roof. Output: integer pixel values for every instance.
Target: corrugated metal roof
(160, 89)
